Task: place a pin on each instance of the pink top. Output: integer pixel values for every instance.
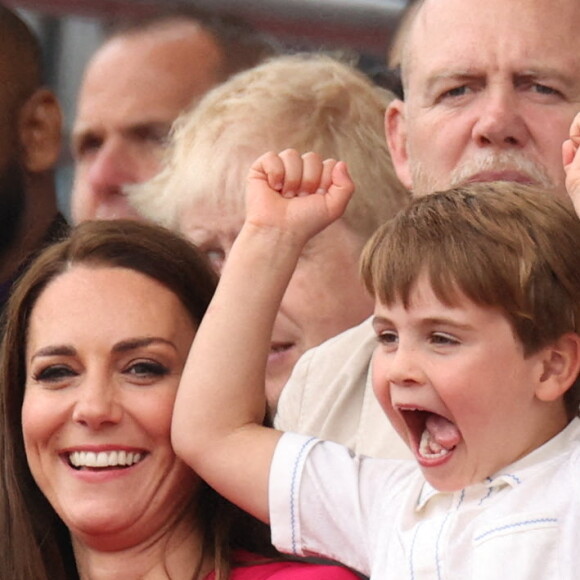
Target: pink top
(285, 570)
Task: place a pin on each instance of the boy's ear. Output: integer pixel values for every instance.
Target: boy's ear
(39, 127)
(396, 134)
(561, 366)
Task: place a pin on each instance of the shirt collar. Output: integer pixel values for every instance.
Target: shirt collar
(516, 473)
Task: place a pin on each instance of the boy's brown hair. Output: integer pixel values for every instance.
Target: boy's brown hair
(502, 245)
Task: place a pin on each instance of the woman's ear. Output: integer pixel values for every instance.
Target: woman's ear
(561, 366)
(396, 134)
(40, 127)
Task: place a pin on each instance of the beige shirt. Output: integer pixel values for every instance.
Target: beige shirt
(329, 395)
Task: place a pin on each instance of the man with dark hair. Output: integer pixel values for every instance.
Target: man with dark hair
(135, 86)
(30, 134)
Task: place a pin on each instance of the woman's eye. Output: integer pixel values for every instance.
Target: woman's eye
(54, 374)
(147, 369)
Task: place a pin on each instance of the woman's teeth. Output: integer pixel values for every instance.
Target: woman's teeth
(80, 459)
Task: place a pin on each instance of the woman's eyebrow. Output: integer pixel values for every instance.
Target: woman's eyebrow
(123, 346)
(134, 343)
(56, 350)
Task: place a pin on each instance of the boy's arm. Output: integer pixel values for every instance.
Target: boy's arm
(571, 160)
(217, 422)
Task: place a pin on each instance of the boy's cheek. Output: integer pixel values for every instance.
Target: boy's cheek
(383, 395)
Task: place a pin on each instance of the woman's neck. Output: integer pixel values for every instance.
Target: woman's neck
(174, 554)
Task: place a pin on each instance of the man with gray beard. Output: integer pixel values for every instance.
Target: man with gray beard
(492, 101)
(489, 95)
(30, 131)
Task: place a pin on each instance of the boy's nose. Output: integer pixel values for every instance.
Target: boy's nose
(404, 368)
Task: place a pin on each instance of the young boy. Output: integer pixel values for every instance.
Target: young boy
(477, 320)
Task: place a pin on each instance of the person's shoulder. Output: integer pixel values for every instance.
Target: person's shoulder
(350, 345)
(363, 332)
(329, 384)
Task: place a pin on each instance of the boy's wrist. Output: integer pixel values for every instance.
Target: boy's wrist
(273, 240)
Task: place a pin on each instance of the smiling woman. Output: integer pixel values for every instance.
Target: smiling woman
(97, 333)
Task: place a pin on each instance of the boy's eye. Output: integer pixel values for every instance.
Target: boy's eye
(387, 337)
(54, 373)
(443, 338)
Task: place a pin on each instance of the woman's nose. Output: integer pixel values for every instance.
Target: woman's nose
(97, 405)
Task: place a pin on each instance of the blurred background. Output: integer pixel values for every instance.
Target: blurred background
(70, 31)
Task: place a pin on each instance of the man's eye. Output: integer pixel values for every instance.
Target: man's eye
(153, 135)
(86, 146)
(455, 92)
(545, 90)
(54, 374)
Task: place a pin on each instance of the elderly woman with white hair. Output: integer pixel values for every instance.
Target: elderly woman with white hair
(306, 102)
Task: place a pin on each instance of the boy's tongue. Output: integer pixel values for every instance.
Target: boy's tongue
(442, 431)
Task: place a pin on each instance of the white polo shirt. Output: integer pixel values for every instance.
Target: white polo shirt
(383, 519)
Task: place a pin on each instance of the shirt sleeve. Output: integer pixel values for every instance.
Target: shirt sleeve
(322, 500)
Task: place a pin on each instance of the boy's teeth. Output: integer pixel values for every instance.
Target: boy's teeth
(429, 448)
(104, 458)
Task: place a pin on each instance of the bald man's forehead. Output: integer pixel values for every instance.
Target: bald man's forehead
(189, 33)
(154, 77)
(468, 30)
(183, 43)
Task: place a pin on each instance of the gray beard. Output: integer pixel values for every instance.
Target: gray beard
(424, 184)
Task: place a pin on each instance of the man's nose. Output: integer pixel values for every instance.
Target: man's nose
(113, 166)
(500, 121)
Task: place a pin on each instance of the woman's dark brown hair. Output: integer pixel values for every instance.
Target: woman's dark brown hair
(34, 543)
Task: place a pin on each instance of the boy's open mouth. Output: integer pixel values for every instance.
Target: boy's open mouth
(433, 435)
